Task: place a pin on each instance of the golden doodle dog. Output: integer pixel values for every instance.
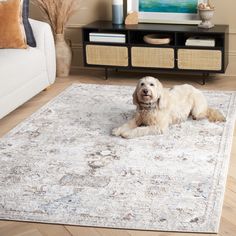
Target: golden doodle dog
(158, 107)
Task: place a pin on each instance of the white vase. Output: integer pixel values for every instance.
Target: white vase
(206, 16)
(63, 56)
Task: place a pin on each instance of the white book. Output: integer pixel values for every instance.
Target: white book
(200, 44)
(107, 35)
(200, 41)
(106, 40)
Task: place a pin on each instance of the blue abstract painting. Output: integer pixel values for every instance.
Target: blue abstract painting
(170, 6)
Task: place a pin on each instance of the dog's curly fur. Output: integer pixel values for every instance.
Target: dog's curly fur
(157, 108)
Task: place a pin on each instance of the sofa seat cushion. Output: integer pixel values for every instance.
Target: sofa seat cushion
(18, 67)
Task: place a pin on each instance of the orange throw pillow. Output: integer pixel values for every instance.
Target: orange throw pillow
(12, 34)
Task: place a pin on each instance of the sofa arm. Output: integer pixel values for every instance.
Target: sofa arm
(45, 42)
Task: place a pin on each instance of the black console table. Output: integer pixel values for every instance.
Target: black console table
(176, 56)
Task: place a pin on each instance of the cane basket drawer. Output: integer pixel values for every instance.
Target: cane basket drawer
(107, 55)
(196, 59)
(152, 57)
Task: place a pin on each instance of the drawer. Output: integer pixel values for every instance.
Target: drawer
(195, 59)
(107, 55)
(152, 57)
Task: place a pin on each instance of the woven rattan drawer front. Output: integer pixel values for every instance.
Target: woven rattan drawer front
(152, 57)
(195, 59)
(107, 55)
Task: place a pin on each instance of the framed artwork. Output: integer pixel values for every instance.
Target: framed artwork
(166, 11)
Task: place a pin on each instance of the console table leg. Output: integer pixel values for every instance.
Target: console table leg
(203, 80)
(106, 74)
(204, 76)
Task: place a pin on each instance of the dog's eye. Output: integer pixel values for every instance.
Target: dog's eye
(151, 84)
(142, 84)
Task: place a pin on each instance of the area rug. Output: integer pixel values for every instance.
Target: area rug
(61, 165)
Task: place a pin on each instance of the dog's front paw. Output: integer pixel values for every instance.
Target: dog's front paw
(126, 135)
(116, 132)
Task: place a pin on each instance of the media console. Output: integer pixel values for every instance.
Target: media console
(172, 57)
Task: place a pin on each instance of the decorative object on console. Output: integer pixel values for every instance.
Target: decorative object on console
(107, 37)
(58, 13)
(117, 12)
(157, 39)
(206, 12)
(28, 29)
(200, 41)
(12, 33)
(131, 18)
(166, 11)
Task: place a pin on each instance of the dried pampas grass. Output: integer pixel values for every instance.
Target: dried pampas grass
(57, 12)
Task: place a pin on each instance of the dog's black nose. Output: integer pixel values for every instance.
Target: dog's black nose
(145, 91)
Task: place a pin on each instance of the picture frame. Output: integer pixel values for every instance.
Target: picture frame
(181, 12)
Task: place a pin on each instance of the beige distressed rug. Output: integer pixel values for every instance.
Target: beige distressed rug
(61, 165)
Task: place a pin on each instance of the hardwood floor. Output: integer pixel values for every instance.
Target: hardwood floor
(228, 220)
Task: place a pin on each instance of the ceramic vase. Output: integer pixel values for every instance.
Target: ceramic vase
(117, 12)
(63, 56)
(206, 16)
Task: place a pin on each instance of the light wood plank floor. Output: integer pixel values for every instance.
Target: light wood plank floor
(228, 220)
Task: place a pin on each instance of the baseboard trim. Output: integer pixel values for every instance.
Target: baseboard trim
(232, 53)
(77, 46)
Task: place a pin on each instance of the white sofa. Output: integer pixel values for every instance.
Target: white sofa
(26, 72)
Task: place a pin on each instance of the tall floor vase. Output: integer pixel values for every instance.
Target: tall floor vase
(63, 56)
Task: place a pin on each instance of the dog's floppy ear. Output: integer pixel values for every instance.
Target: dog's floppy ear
(135, 97)
(163, 99)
